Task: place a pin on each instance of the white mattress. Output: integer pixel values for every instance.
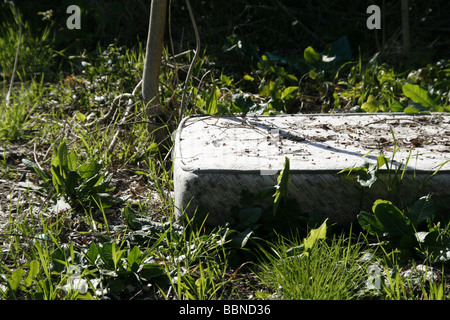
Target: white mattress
(217, 157)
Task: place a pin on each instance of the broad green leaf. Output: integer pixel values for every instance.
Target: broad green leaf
(71, 160)
(153, 148)
(87, 296)
(248, 78)
(88, 170)
(288, 92)
(393, 220)
(211, 101)
(421, 210)
(420, 95)
(34, 270)
(292, 77)
(16, 277)
(55, 158)
(63, 155)
(225, 79)
(134, 259)
(313, 74)
(371, 105)
(71, 182)
(397, 106)
(282, 186)
(104, 182)
(407, 241)
(150, 271)
(105, 200)
(201, 284)
(415, 107)
(59, 258)
(92, 253)
(315, 235)
(370, 223)
(63, 159)
(57, 179)
(382, 160)
(271, 90)
(87, 186)
(116, 254)
(106, 254)
(311, 56)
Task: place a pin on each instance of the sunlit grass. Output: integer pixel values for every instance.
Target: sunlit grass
(333, 270)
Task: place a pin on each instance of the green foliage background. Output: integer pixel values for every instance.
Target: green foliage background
(284, 28)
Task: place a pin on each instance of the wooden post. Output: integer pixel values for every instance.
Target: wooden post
(152, 63)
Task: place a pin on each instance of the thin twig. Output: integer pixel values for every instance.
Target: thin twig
(191, 67)
(35, 157)
(8, 96)
(114, 106)
(127, 110)
(125, 115)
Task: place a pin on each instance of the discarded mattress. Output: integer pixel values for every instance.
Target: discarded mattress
(217, 157)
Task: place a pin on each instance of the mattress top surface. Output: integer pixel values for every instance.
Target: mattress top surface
(312, 142)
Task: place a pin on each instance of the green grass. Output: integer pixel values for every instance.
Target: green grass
(133, 249)
(338, 268)
(334, 269)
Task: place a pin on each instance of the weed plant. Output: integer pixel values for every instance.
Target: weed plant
(37, 54)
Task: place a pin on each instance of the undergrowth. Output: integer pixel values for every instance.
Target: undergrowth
(67, 231)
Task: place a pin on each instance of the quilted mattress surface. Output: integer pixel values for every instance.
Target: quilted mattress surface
(216, 157)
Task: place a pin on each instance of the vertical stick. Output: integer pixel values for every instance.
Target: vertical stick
(16, 58)
(152, 63)
(194, 60)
